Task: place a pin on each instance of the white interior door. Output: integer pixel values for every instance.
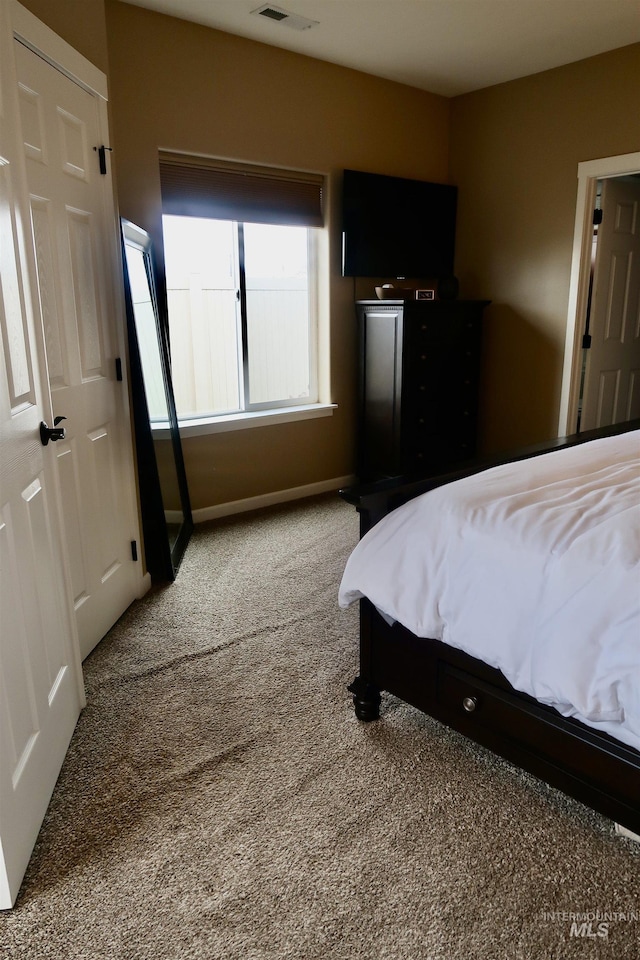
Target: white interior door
(40, 673)
(72, 216)
(611, 392)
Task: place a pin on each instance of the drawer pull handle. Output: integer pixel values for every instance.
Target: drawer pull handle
(469, 704)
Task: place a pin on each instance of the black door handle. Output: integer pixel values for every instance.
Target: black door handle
(51, 433)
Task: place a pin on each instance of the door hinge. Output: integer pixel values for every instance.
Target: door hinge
(134, 549)
(586, 342)
(597, 217)
(118, 368)
(102, 157)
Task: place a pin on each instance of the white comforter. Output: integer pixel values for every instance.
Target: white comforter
(533, 567)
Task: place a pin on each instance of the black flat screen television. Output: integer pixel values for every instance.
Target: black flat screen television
(395, 227)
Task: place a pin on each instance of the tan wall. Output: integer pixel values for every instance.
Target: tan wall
(80, 22)
(514, 154)
(184, 87)
(515, 150)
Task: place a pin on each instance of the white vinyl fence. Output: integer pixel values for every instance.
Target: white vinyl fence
(205, 345)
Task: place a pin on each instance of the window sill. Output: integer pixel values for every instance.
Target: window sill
(245, 421)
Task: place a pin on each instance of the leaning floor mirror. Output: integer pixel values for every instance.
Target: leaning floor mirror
(164, 497)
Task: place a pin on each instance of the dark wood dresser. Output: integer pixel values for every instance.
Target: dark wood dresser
(418, 384)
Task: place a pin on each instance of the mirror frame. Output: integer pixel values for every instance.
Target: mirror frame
(162, 557)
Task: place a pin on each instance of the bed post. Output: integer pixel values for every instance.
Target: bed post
(366, 695)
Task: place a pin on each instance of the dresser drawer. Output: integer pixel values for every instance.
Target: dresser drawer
(432, 449)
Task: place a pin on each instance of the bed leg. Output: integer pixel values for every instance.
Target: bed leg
(366, 699)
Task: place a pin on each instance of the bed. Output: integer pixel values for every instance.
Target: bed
(503, 599)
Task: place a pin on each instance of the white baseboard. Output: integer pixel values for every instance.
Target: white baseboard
(270, 499)
(623, 832)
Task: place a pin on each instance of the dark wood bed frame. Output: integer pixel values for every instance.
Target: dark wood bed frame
(475, 699)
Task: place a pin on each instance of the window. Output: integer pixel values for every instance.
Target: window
(241, 272)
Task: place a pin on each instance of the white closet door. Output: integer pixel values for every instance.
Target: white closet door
(40, 673)
(73, 228)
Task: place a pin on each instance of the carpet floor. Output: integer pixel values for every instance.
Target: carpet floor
(221, 801)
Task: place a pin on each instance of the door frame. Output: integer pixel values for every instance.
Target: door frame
(589, 173)
(60, 54)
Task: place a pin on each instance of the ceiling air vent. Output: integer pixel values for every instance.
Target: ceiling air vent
(293, 20)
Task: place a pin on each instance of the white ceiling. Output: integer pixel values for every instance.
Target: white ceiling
(445, 46)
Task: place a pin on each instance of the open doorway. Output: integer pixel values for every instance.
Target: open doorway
(597, 386)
